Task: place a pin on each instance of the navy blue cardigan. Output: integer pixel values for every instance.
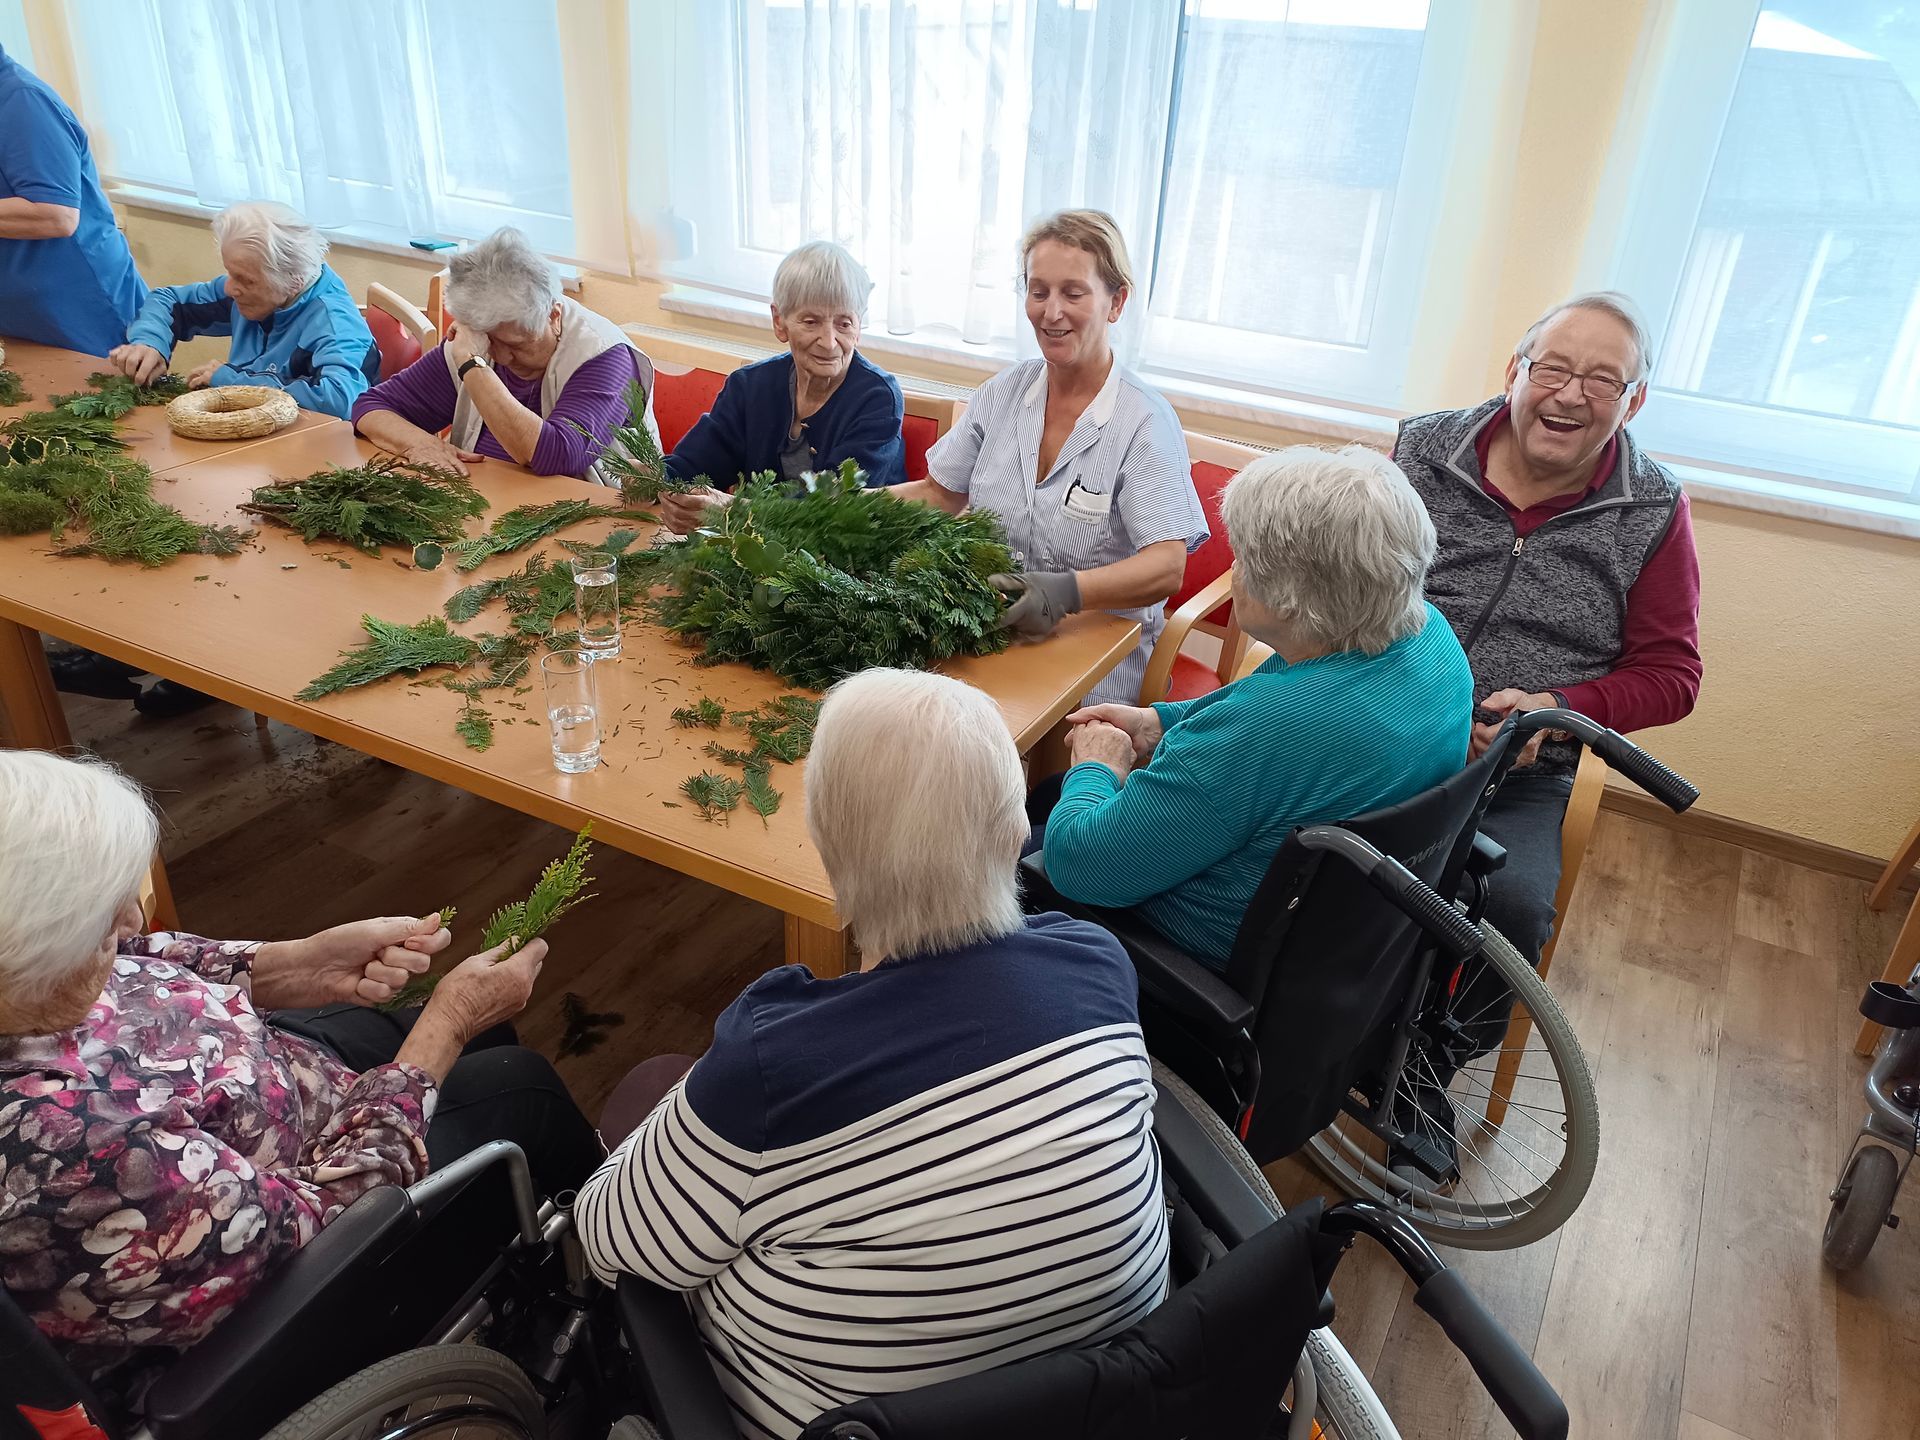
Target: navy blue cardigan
(747, 428)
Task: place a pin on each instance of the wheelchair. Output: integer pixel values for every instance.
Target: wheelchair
(1883, 1151)
(1371, 1037)
(1239, 1351)
(388, 1324)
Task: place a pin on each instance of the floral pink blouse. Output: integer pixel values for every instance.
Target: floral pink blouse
(162, 1157)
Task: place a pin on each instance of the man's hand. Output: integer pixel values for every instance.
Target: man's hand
(1504, 703)
(140, 363)
(440, 454)
(1140, 724)
(364, 962)
(201, 376)
(1103, 744)
(684, 513)
(1041, 600)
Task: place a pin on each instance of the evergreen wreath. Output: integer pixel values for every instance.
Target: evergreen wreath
(833, 580)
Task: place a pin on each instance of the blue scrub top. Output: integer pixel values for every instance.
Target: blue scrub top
(80, 291)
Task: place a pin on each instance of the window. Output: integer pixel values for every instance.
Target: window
(1274, 166)
(428, 117)
(1780, 259)
(13, 32)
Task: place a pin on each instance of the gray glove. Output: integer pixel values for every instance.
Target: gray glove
(1041, 600)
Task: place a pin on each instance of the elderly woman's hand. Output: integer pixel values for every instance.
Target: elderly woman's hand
(1140, 722)
(439, 454)
(1103, 744)
(465, 343)
(201, 376)
(364, 962)
(475, 995)
(685, 512)
(141, 363)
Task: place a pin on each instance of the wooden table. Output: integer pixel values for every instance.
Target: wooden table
(47, 372)
(255, 628)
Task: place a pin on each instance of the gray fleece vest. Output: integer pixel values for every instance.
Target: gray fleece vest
(1549, 610)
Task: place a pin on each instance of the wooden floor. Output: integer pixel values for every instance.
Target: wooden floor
(1713, 987)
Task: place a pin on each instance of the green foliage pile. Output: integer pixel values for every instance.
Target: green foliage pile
(387, 501)
(835, 580)
(391, 649)
(527, 524)
(110, 498)
(633, 459)
(540, 592)
(781, 731)
(557, 891)
(112, 397)
(49, 434)
(13, 390)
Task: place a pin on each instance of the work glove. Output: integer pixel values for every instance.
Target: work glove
(1041, 600)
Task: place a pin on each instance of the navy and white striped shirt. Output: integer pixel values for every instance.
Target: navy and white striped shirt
(894, 1178)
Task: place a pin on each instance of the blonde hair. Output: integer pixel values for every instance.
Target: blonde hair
(1093, 231)
(916, 804)
(76, 838)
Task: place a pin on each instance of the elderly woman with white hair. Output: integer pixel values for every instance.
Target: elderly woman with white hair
(167, 1142)
(1179, 808)
(294, 326)
(523, 374)
(938, 1165)
(817, 405)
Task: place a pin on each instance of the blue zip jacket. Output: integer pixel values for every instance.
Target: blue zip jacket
(746, 431)
(315, 347)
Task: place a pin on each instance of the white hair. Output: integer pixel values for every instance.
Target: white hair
(76, 839)
(915, 801)
(821, 273)
(1334, 541)
(502, 280)
(1607, 302)
(289, 249)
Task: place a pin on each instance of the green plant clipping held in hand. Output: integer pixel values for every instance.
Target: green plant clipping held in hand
(633, 459)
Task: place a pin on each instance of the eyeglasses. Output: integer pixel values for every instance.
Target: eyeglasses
(1595, 387)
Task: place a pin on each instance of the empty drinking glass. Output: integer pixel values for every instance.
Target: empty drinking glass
(573, 710)
(596, 596)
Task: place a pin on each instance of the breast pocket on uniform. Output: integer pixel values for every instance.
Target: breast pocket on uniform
(1089, 507)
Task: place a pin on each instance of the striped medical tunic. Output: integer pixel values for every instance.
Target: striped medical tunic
(894, 1178)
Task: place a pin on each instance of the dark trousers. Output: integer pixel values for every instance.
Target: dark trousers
(496, 1090)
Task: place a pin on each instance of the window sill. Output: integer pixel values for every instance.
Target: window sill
(1772, 496)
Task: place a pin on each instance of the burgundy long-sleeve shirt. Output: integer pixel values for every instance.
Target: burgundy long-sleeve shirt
(1657, 678)
(593, 398)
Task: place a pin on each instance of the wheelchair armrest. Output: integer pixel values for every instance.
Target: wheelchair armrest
(1487, 856)
(685, 1398)
(1213, 1180)
(1167, 973)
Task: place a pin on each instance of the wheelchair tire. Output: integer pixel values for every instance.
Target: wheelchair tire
(493, 1399)
(1861, 1203)
(1350, 1157)
(1224, 1140)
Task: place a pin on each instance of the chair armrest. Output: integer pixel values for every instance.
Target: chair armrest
(685, 1398)
(1487, 856)
(1202, 603)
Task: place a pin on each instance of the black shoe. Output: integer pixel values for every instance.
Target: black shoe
(1428, 1157)
(81, 672)
(166, 698)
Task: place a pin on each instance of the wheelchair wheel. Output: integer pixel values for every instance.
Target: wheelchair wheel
(1861, 1203)
(439, 1390)
(1520, 1174)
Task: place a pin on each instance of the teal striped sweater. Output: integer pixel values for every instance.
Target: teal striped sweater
(1189, 837)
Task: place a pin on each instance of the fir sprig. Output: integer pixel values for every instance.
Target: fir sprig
(526, 524)
(634, 460)
(391, 649)
(110, 498)
(50, 434)
(114, 397)
(705, 713)
(387, 501)
(475, 725)
(714, 795)
(760, 792)
(13, 390)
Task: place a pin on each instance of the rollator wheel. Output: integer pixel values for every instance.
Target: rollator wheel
(1523, 1168)
(444, 1390)
(1861, 1204)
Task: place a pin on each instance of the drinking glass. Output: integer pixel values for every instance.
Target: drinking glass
(596, 597)
(573, 710)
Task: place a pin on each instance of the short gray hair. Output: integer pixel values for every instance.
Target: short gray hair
(79, 838)
(917, 806)
(824, 274)
(1334, 541)
(290, 250)
(1607, 302)
(502, 280)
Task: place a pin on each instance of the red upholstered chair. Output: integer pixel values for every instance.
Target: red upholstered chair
(401, 330)
(681, 395)
(1204, 600)
(919, 432)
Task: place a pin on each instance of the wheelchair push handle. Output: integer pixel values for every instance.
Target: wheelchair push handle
(1670, 789)
(1417, 900)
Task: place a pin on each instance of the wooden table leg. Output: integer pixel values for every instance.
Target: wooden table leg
(30, 713)
(822, 950)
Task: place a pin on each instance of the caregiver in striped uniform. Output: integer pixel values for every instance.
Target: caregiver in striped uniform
(1179, 808)
(941, 1164)
(1084, 464)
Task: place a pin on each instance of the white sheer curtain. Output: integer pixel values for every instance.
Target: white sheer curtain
(922, 134)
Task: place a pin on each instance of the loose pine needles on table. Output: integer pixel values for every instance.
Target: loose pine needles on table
(387, 501)
(835, 580)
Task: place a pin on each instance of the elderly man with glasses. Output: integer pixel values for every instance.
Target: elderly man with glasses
(1566, 566)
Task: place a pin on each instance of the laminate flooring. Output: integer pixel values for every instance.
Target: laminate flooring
(1713, 989)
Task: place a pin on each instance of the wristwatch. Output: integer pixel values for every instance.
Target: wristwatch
(470, 362)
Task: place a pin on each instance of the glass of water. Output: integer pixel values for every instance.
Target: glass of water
(573, 710)
(596, 596)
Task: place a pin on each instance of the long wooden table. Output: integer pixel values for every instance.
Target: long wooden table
(255, 628)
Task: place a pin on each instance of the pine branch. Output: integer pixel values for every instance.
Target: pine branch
(387, 501)
(714, 795)
(760, 792)
(705, 713)
(633, 459)
(53, 434)
(525, 525)
(475, 725)
(13, 390)
(109, 496)
(115, 396)
(392, 649)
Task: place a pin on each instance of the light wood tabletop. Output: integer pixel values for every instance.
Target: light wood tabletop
(254, 628)
(46, 372)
